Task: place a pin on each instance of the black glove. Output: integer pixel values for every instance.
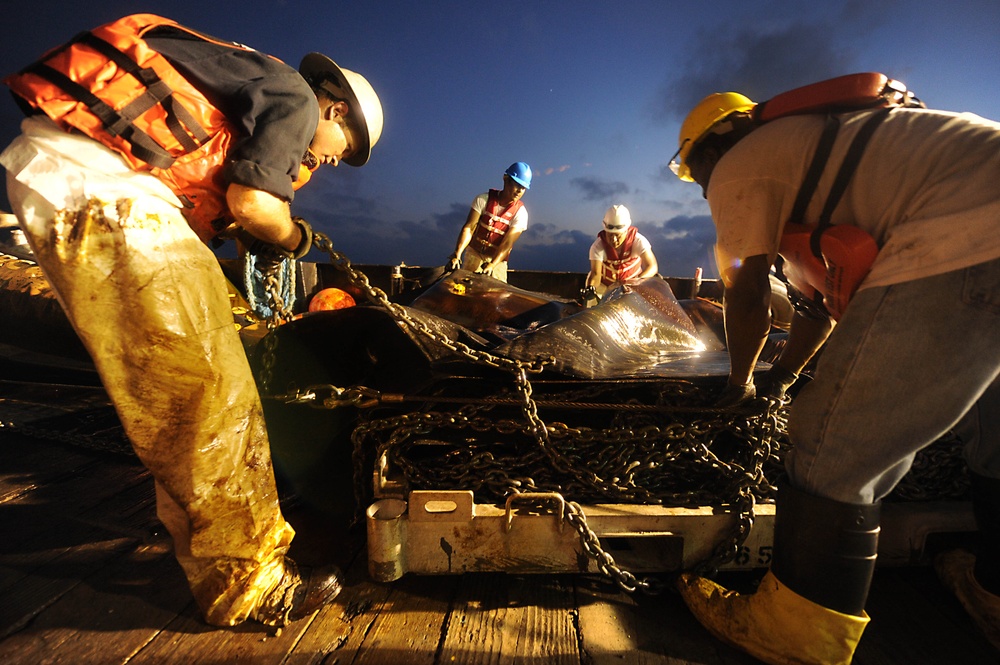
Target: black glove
(776, 382)
(267, 252)
(587, 294)
(733, 396)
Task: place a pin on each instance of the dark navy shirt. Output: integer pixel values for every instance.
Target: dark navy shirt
(271, 107)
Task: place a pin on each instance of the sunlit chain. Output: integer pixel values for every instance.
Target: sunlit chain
(377, 296)
(669, 450)
(519, 368)
(569, 466)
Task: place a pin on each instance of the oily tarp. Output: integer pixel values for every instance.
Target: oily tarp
(639, 329)
(416, 353)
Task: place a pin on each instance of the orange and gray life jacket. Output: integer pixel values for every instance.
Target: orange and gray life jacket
(824, 264)
(619, 265)
(110, 85)
(493, 227)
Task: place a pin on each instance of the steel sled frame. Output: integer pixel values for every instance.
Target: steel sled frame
(430, 532)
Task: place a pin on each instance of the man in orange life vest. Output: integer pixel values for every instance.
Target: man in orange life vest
(118, 199)
(913, 355)
(495, 222)
(620, 254)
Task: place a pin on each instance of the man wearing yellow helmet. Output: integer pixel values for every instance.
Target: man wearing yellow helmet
(144, 140)
(914, 355)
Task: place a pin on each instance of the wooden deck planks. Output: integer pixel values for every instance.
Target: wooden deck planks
(107, 617)
(408, 629)
(87, 577)
(498, 619)
(641, 629)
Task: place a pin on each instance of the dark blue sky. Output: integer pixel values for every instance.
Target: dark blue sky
(590, 94)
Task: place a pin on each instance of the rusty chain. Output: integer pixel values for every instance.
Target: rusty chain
(561, 457)
(574, 461)
(614, 487)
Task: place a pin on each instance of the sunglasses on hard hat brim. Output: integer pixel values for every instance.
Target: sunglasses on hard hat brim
(674, 165)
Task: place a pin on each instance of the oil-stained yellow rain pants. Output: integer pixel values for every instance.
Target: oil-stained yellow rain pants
(150, 303)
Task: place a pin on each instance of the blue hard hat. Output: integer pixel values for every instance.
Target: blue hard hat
(521, 173)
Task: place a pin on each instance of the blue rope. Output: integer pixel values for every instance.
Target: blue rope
(253, 284)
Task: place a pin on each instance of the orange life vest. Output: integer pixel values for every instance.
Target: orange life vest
(826, 263)
(110, 85)
(619, 265)
(833, 277)
(493, 227)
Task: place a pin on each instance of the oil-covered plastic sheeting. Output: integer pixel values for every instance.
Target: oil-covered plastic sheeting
(636, 330)
(491, 307)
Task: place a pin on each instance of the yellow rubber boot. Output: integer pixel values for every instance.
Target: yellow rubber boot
(775, 624)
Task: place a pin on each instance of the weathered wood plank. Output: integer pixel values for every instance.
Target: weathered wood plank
(409, 627)
(91, 507)
(916, 620)
(27, 465)
(73, 477)
(130, 601)
(32, 592)
(339, 630)
(500, 619)
(639, 629)
(188, 640)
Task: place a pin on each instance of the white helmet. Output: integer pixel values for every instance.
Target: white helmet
(366, 109)
(617, 219)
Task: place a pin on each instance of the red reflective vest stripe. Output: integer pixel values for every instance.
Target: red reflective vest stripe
(493, 227)
(619, 265)
(161, 124)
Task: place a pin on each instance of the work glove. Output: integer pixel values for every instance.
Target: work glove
(733, 396)
(775, 383)
(587, 294)
(270, 254)
(454, 263)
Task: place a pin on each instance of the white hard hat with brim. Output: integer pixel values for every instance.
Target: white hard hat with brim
(365, 107)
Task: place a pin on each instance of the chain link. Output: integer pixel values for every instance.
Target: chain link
(649, 454)
(674, 451)
(518, 368)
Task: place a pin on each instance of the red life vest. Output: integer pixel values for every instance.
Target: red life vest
(493, 227)
(110, 85)
(619, 265)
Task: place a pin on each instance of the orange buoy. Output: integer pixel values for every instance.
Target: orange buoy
(330, 298)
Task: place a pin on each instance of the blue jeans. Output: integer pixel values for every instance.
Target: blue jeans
(906, 364)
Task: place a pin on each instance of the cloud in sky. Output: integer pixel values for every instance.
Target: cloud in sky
(597, 189)
(593, 104)
(765, 57)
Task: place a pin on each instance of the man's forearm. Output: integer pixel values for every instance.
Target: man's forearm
(806, 337)
(746, 332)
(746, 304)
(264, 216)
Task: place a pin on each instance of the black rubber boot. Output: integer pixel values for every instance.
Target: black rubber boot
(986, 507)
(825, 550)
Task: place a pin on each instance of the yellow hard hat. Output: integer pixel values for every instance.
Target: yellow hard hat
(708, 113)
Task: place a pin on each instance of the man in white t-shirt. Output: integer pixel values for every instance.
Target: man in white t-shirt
(495, 222)
(914, 355)
(620, 254)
